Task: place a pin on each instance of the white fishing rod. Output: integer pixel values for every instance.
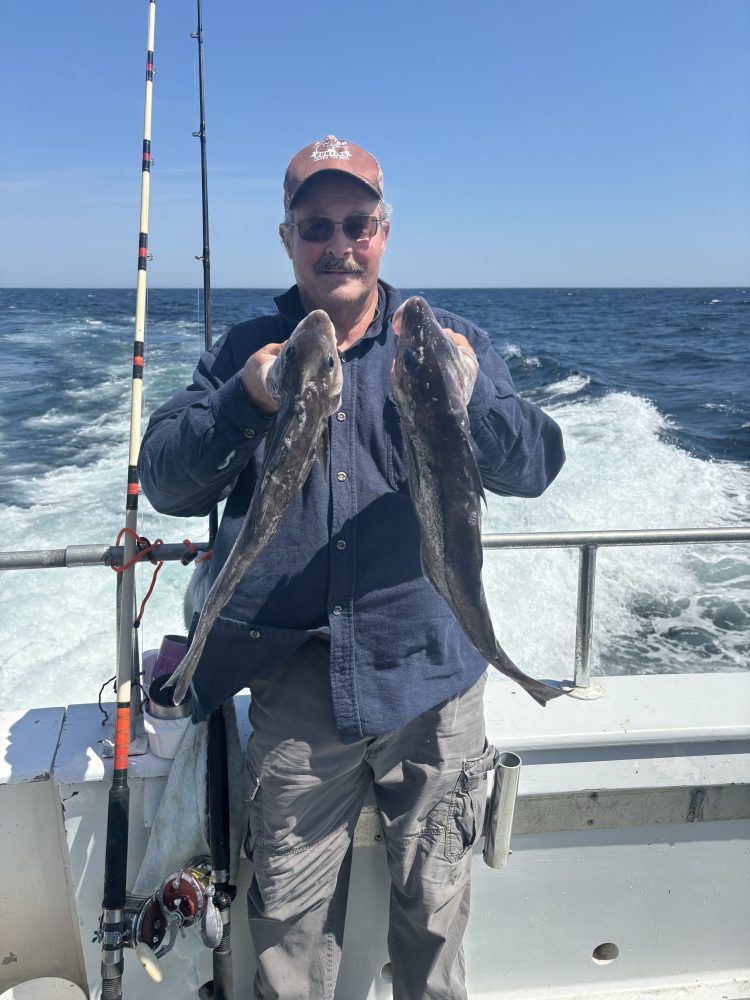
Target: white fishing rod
(112, 927)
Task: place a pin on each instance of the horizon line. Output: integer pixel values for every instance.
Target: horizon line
(273, 288)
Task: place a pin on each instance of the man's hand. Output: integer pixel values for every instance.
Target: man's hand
(469, 362)
(253, 377)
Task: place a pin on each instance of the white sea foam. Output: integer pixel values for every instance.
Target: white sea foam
(512, 352)
(57, 635)
(52, 418)
(622, 473)
(57, 626)
(721, 407)
(567, 386)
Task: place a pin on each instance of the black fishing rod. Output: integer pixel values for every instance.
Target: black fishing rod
(221, 987)
(213, 517)
(112, 924)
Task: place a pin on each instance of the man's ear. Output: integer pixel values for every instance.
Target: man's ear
(286, 240)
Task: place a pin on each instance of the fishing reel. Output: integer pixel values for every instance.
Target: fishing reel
(184, 898)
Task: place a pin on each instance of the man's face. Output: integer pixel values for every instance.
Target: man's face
(339, 272)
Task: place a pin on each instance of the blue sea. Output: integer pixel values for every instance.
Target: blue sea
(650, 386)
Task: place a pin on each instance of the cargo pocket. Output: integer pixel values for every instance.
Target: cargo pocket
(467, 805)
(253, 817)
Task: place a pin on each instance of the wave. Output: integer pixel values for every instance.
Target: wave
(720, 407)
(512, 352)
(652, 603)
(668, 608)
(568, 386)
(52, 418)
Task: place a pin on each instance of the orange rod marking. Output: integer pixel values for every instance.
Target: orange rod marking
(122, 737)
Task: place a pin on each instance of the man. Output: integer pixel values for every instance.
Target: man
(360, 675)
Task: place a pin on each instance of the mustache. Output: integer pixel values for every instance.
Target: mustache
(341, 265)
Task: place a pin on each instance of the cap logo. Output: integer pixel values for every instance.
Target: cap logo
(331, 148)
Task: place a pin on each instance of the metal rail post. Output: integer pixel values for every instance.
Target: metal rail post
(585, 615)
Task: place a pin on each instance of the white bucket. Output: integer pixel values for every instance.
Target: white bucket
(164, 735)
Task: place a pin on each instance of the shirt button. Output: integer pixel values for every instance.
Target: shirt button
(341, 544)
(249, 433)
(338, 610)
(341, 476)
(341, 415)
(255, 633)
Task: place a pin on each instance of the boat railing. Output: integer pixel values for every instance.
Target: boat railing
(587, 542)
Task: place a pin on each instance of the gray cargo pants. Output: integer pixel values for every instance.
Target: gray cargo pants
(305, 790)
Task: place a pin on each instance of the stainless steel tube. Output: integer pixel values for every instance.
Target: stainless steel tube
(87, 555)
(500, 810)
(651, 536)
(585, 615)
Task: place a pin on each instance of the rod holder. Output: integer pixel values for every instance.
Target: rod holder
(500, 810)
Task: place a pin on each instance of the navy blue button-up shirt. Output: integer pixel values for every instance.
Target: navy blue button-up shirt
(345, 557)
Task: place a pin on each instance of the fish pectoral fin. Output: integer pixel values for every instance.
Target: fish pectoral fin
(321, 453)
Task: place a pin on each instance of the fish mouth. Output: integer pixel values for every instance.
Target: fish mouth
(322, 323)
(412, 312)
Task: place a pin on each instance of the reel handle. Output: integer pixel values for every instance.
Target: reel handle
(151, 964)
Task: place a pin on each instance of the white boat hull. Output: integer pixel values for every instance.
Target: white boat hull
(629, 878)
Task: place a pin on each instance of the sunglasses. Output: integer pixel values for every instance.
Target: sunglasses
(318, 229)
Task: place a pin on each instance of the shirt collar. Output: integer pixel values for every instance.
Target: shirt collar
(291, 309)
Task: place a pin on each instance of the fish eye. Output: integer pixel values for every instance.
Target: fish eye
(290, 352)
(330, 361)
(411, 362)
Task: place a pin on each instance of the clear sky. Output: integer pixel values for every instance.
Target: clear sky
(523, 142)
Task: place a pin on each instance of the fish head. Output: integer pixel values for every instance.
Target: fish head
(309, 362)
(427, 370)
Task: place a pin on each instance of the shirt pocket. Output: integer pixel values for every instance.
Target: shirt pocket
(396, 460)
(467, 805)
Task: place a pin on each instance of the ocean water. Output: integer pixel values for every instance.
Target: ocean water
(651, 388)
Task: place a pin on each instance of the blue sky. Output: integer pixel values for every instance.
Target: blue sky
(524, 143)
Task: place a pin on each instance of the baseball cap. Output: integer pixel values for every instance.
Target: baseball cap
(330, 153)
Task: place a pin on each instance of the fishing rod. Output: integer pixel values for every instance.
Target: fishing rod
(112, 927)
(201, 891)
(221, 987)
(205, 258)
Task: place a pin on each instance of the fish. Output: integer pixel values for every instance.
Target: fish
(429, 389)
(306, 379)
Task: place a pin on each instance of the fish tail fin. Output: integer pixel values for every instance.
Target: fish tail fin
(540, 691)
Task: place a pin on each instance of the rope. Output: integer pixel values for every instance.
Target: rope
(145, 548)
(192, 552)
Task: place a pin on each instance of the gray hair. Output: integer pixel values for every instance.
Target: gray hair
(385, 215)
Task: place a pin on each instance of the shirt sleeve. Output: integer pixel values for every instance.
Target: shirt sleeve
(519, 448)
(197, 444)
